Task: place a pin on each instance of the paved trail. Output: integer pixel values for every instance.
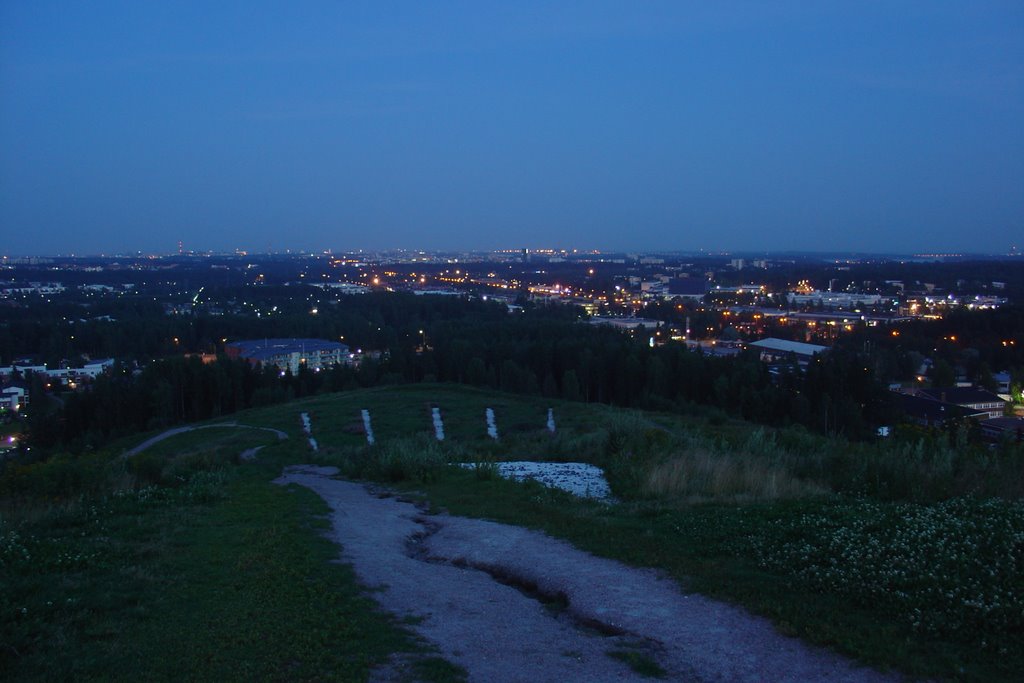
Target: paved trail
(476, 590)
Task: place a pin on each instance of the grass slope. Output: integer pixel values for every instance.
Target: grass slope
(194, 575)
(216, 575)
(932, 589)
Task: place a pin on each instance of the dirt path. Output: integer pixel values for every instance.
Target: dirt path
(510, 604)
(249, 454)
(281, 436)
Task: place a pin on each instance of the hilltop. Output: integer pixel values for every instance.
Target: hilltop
(184, 543)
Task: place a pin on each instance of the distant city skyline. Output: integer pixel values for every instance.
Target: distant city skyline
(669, 126)
(539, 252)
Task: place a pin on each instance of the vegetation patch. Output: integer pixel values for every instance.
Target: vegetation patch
(704, 475)
(221, 576)
(640, 663)
(907, 554)
(954, 570)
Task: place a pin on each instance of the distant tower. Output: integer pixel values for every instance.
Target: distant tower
(181, 248)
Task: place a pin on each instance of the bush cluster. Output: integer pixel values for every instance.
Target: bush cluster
(954, 569)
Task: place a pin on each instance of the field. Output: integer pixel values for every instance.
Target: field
(871, 551)
(211, 573)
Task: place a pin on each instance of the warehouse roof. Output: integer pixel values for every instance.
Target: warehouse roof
(786, 346)
(960, 395)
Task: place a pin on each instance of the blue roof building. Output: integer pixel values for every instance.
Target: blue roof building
(291, 354)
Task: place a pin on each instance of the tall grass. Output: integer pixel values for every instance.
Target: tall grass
(702, 475)
(64, 484)
(704, 463)
(414, 458)
(646, 456)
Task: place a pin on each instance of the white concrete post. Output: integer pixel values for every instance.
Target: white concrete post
(367, 427)
(492, 428)
(438, 424)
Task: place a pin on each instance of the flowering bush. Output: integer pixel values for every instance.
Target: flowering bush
(954, 569)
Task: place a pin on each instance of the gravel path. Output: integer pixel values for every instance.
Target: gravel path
(483, 593)
(281, 436)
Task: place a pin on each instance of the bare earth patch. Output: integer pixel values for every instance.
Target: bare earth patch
(511, 604)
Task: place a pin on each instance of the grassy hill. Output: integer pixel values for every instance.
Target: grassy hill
(183, 561)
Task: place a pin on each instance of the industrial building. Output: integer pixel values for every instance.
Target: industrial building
(291, 354)
(773, 349)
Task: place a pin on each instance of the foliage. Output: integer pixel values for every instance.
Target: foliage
(544, 352)
(640, 663)
(858, 511)
(413, 459)
(954, 570)
(218, 577)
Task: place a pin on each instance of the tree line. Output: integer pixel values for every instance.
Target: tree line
(543, 352)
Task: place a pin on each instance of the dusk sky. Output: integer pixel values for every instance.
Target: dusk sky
(867, 126)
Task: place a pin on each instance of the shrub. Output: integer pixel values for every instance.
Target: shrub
(61, 476)
(147, 468)
(416, 459)
(706, 475)
(953, 569)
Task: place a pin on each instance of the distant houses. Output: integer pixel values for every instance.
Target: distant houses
(291, 354)
(64, 376)
(977, 400)
(13, 398)
(937, 407)
(15, 383)
(95, 368)
(927, 412)
(998, 427)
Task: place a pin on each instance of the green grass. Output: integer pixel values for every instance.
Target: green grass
(437, 670)
(405, 411)
(640, 663)
(195, 559)
(224, 577)
(173, 460)
(225, 439)
(821, 565)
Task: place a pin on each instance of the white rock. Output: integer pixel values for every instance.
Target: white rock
(578, 478)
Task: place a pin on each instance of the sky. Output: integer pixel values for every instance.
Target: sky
(861, 126)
